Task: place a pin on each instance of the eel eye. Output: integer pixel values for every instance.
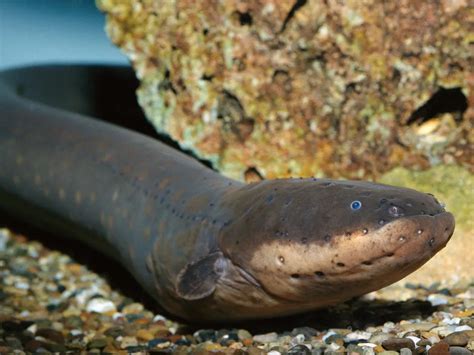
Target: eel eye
(355, 205)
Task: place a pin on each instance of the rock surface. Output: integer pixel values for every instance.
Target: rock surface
(271, 88)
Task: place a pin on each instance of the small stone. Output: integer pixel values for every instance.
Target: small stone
(463, 328)
(424, 342)
(15, 326)
(421, 326)
(51, 334)
(97, 343)
(405, 351)
(470, 345)
(388, 352)
(110, 349)
(265, 338)
(439, 349)
(100, 305)
(274, 352)
(299, 349)
(127, 342)
(154, 342)
(354, 349)
(144, 334)
(247, 342)
(136, 349)
(437, 299)
(5, 349)
(243, 334)
(72, 322)
(133, 308)
(457, 339)
(308, 332)
(253, 350)
(398, 343)
(204, 335)
(34, 345)
(457, 350)
(13, 343)
(114, 332)
(379, 338)
(357, 335)
(56, 348)
(335, 339)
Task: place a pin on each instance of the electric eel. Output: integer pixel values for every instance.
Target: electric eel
(204, 246)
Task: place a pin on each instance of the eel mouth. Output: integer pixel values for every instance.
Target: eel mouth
(405, 241)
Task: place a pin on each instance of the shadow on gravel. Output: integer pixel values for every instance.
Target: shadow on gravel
(356, 314)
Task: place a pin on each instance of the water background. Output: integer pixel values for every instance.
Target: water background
(54, 31)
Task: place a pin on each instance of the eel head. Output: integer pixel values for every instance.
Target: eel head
(310, 243)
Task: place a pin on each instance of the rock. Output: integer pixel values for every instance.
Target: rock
(154, 342)
(128, 341)
(51, 334)
(357, 335)
(132, 308)
(5, 349)
(354, 349)
(97, 343)
(439, 349)
(457, 350)
(421, 326)
(205, 335)
(299, 349)
(308, 332)
(144, 334)
(457, 339)
(437, 299)
(243, 334)
(35, 346)
(13, 342)
(398, 343)
(405, 351)
(265, 338)
(100, 305)
(260, 78)
(379, 338)
(253, 350)
(114, 332)
(335, 339)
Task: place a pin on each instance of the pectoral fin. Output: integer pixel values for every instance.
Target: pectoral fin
(198, 279)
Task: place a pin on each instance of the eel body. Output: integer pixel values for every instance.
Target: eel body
(206, 247)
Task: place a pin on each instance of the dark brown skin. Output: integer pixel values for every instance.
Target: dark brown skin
(206, 247)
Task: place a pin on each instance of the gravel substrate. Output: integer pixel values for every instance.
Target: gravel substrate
(51, 304)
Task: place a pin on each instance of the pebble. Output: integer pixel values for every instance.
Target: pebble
(265, 338)
(379, 338)
(457, 339)
(299, 349)
(243, 334)
(457, 350)
(100, 305)
(439, 349)
(398, 343)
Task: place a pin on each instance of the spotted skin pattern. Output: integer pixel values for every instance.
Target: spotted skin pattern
(204, 246)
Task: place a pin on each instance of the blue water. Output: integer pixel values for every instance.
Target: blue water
(46, 31)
